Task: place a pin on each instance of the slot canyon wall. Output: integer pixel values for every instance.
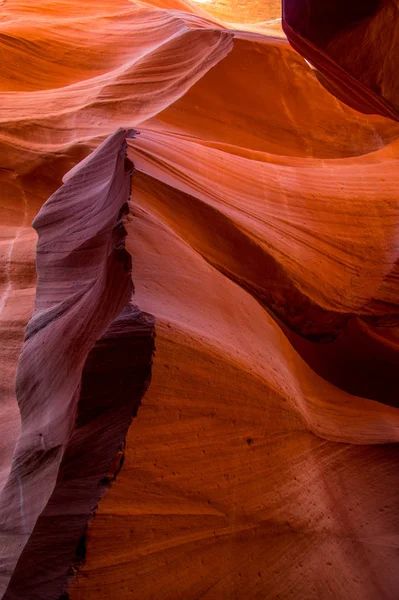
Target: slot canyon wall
(199, 300)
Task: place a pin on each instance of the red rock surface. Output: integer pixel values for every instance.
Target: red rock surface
(353, 45)
(261, 255)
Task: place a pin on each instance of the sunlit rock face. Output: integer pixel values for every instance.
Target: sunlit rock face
(199, 344)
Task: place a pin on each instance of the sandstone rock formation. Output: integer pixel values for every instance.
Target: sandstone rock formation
(206, 399)
(354, 47)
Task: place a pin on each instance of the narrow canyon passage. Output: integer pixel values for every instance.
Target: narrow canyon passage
(199, 333)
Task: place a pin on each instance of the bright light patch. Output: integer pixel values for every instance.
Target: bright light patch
(310, 65)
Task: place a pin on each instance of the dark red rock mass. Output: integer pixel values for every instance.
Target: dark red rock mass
(115, 376)
(82, 371)
(354, 45)
(237, 206)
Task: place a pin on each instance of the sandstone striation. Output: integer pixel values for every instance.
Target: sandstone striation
(231, 197)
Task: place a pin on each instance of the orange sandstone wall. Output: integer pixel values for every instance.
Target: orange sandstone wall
(254, 342)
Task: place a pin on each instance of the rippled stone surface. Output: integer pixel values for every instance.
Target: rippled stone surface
(206, 399)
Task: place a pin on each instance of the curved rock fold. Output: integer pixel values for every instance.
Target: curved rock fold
(83, 333)
(260, 251)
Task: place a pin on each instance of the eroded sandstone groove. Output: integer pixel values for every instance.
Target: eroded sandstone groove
(85, 363)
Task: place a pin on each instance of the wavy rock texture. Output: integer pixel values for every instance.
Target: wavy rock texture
(263, 233)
